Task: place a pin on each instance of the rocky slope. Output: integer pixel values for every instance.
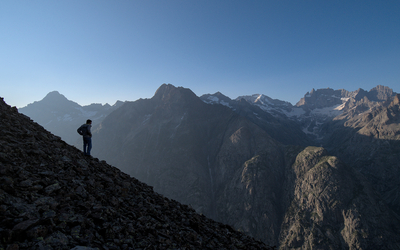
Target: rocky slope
(52, 197)
(316, 109)
(62, 117)
(334, 207)
(230, 162)
(228, 167)
(360, 127)
(315, 202)
(367, 137)
(172, 136)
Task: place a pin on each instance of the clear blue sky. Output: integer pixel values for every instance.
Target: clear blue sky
(104, 51)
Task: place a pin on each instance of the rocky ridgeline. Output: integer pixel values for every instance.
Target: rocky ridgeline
(61, 116)
(52, 197)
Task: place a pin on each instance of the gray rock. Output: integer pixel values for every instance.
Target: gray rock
(84, 248)
(83, 203)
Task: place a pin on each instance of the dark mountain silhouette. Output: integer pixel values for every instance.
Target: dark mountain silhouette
(52, 197)
(237, 162)
(62, 117)
(173, 135)
(215, 158)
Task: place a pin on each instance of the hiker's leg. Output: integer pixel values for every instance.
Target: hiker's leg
(89, 142)
(84, 145)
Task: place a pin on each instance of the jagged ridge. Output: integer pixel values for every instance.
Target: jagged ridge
(52, 197)
(61, 116)
(224, 165)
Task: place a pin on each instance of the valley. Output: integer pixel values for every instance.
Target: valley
(321, 173)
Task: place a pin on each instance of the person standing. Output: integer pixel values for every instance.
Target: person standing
(86, 133)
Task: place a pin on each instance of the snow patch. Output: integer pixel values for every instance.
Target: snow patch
(225, 104)
(86, 113)
(258, 99)
(265, 108)
(295, 112)
(264, 100)
(67, 117)
(340, 107)
(314, 130)
(213, 99)
(329, 111)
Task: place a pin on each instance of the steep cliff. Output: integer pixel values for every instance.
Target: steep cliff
(53, 197)
(367, 137)
(172, 136)
(333, 207)
(231, 169)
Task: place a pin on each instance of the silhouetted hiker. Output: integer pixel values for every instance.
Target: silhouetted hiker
(84, 130)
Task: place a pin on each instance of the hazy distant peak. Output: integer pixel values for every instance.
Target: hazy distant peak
(118, 103)
(54, 92)
(54, 95)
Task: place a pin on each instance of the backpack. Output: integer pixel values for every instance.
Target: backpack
(82, 130)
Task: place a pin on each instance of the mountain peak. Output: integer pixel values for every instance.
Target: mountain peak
(381, 93)
(216, 98)
(58, 114)
(54, 92)
(54, 95)
(170, 93)
(164, 88)
(322, 98)
(220, 95)
(53, 197)
(54, 98)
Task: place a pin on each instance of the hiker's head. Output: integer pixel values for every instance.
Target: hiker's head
(89, 121)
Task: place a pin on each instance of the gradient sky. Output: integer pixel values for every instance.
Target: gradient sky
(104, 51)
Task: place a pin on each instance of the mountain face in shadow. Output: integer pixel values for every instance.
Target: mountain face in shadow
(367, 137)
(174, 136)
(236, 161)
(62, 117)
(229, 167)
(53, 197)
(266, 113)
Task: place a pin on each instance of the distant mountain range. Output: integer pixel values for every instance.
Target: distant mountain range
(323, 173)
(62, 117)
(54, 197)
